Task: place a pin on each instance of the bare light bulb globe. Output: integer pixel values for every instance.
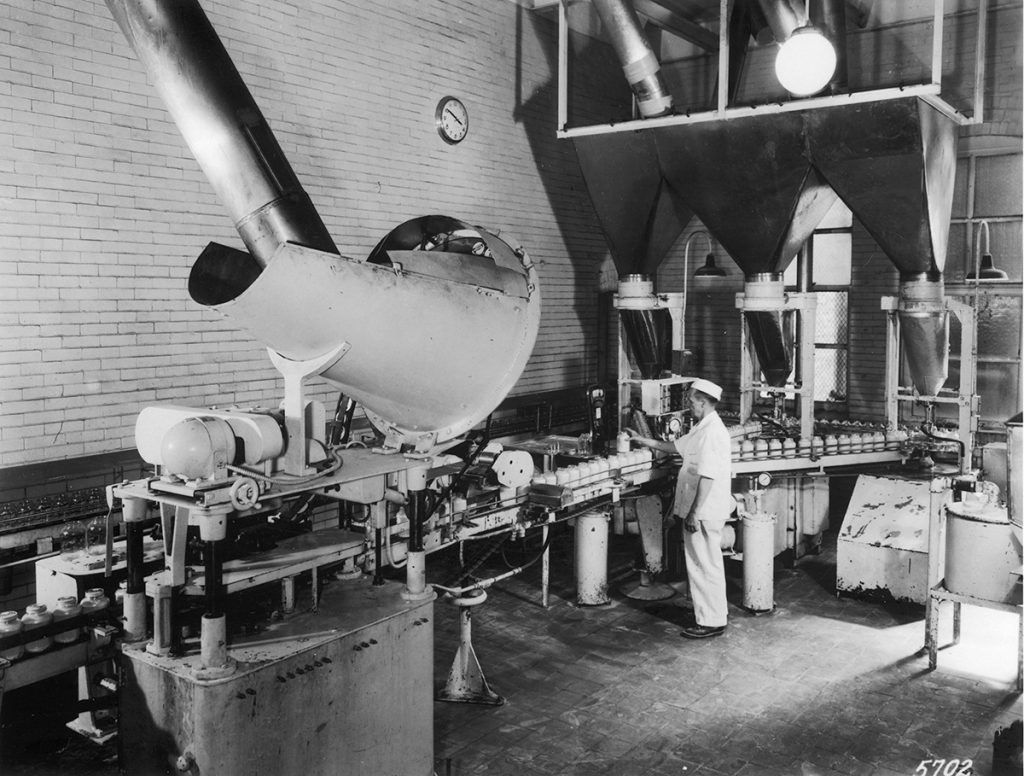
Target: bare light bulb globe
(806, 62)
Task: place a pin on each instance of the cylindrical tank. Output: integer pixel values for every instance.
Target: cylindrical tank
(981, 558)
(758, 561)
(592, 559)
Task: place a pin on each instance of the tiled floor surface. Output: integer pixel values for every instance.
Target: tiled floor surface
(821, 686)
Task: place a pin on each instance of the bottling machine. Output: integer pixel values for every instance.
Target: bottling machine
(346, 654)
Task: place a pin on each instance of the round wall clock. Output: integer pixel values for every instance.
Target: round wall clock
(452, 119)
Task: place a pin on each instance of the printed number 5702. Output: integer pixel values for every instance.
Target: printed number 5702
(944, 768)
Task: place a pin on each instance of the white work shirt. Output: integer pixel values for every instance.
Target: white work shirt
(706, 452)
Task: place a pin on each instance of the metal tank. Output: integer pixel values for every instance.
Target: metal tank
(429, 337)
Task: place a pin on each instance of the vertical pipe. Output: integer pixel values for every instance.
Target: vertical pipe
(134, 604)
(163, 620)
(758, 555)
(563, 65)
(725, 10)
(981, 50)
(937, 44)
(545, 571)
(213, 525)
(592, 559)
(214, 568)
(639, 63)
(415, 568)
(829, 16)
(134, 557)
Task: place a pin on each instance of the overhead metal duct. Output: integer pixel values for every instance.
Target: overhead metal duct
(639, 63)
(222, 125)
(429, 335)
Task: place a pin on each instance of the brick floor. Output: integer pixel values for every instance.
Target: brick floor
(823, 686)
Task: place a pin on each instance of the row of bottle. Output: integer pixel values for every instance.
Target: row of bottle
(597, 469)
(77, 538)
(818, 446)
(39, 616)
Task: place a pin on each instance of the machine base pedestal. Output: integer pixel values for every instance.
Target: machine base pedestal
(647, 590)
(345, 690)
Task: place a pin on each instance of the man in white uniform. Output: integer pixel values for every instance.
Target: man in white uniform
(704, 502)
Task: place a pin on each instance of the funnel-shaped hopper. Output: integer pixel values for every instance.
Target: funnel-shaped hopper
(894, 164)
(640, 214)
(924, 332)
(750, 183)
(770, 328)
(771, 334)
(649, 337)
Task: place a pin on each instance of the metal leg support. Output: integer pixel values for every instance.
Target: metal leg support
(466, 682)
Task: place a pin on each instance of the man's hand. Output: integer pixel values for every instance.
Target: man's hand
(690, 524)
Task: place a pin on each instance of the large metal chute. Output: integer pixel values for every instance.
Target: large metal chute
(222, 125)
(429, 336)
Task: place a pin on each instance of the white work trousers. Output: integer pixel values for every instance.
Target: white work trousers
(706, 571)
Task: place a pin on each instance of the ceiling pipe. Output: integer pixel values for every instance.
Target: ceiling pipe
(639, 63)
(783, 17)
(829, 16)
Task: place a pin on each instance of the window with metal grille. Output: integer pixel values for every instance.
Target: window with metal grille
(987, 219)
(830, 252)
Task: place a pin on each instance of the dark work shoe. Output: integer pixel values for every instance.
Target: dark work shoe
(702, 631)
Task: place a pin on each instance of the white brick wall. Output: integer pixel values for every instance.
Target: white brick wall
(105, 210)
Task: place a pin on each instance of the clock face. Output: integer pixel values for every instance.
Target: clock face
(452, 119)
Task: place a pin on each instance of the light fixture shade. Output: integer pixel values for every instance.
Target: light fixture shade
(988, 270)
(710, 269)
(805, 62)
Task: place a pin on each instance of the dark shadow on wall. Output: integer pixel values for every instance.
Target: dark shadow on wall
(596, 74)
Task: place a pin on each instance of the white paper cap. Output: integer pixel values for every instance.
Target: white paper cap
(708, 387)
